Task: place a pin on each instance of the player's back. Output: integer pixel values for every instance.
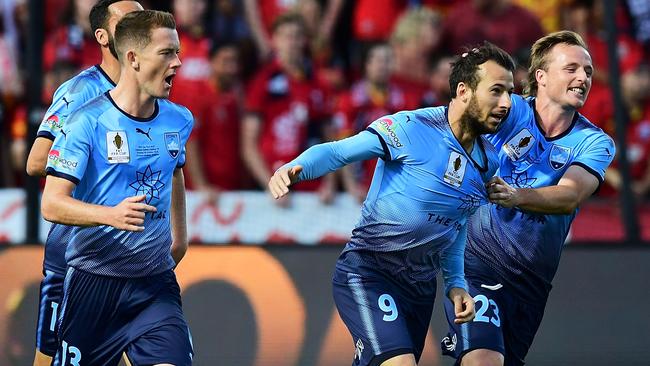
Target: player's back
(524, 248)
(68, 97)
(425, 186)
(111, 155)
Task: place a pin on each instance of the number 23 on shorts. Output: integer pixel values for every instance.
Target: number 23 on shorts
(483, 304)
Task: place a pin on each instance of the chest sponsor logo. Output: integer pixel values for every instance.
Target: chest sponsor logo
(173, 143)
(117, 146)
(455, 172)
(559, 156)
(519, 145)
(148, 182)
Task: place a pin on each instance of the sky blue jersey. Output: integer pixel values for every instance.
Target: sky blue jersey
(424, 187)
(521, 247)
(71, 95)
(110, 156)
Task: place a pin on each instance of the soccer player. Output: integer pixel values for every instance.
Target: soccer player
(551, 160)
(68, 97)
(431, 176)
(121, 155)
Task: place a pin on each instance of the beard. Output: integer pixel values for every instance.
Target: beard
(470, 121)
(111, 46)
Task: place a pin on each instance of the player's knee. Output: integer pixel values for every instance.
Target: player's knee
(482, 357)
(401, 360)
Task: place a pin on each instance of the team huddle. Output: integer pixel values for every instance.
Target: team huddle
(483, 190)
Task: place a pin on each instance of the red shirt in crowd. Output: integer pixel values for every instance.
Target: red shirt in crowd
(217, 117)
(373, 20)
(69, 43)
(358, 108)
(286, 105)
(513, 29)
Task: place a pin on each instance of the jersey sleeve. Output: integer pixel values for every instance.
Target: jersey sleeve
(71, 150)
(597, 156)
(187, 132)
(394, 134)
(452, 262)
(67, 98)
(321, 159)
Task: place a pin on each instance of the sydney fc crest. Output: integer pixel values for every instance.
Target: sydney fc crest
(519, 145)
(172, 143)
(559, 156)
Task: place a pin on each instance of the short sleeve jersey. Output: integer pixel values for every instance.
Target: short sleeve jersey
(110, 156)
(524, 248)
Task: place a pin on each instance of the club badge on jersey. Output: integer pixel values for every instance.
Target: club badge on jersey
(559, 156)
(173, 143)
(455, 172)
(117, 147)
(519, 145)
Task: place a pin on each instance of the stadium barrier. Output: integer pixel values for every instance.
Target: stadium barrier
(272, 306)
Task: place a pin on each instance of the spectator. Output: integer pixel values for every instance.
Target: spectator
(213, 160)
(635, 88)
(507, 25)
(368, 99)
(74, 40)
(283, 103)
(195, 53)
(439, 92)
(414, 39)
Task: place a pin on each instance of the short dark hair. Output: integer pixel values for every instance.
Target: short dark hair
(99, 14)
(288, 18)
(135, 27)
(542, 47)
(216, 47)
(464, 69)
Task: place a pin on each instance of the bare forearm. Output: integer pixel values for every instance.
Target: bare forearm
(256, 166)
(178, 217)
(194, 164)
(66, 210)
(548, 200)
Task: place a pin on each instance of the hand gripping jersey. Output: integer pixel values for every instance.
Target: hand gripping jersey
(110, 156)
(524, 248)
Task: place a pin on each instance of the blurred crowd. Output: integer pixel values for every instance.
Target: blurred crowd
(265, 79)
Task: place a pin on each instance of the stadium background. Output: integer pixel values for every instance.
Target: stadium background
(256, 280)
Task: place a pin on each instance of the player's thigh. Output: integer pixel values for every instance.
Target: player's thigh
(401, 360)
(50, 298)
(160, 334)
(482, 357)
(484, 332)
(41, 359)
(519, 333)
(377, 315)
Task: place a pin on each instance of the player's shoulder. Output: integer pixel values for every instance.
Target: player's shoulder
(92, 109)
(89, 82)
(175, 112)
(587, 133)
(426, 117)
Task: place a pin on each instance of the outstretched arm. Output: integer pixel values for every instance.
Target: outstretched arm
(321, 159)
(576, 185)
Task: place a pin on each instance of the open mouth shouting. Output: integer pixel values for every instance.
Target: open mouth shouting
(168, 80)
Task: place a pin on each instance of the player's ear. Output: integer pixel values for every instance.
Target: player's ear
(540, 76)
(463, 92)
(101, 36)
(132, 59)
